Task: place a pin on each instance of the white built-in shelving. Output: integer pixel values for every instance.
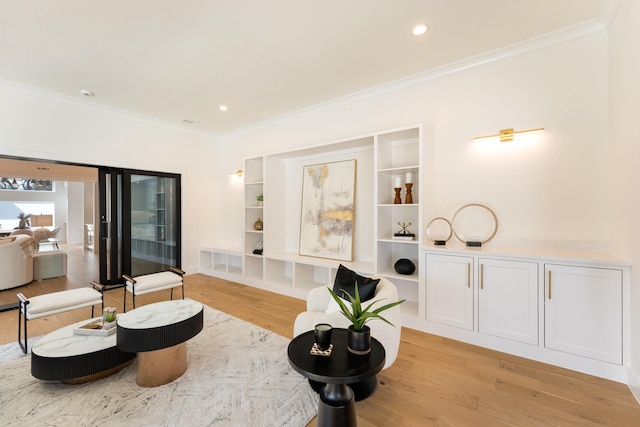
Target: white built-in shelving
(278, 177)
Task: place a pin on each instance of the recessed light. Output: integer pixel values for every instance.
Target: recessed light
(189, 122)
(418, 30)
(223, 108)
(86, 93)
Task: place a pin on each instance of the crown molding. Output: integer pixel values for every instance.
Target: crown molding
(45, 93)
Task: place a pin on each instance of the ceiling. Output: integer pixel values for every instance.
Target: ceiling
(176, 60)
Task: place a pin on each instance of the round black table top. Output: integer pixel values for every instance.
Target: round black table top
(342, 367)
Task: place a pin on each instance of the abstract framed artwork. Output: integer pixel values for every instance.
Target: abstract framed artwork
(328, 210)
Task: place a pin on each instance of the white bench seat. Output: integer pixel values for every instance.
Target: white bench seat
(54, 303)
(153, 282)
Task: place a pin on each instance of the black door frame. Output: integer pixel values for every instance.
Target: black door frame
(119, 223)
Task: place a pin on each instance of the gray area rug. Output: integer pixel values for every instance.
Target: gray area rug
(237, 375)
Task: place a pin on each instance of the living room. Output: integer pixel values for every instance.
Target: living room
(574, 187)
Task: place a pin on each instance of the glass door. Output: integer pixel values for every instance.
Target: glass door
(154, 223)
(139, 223)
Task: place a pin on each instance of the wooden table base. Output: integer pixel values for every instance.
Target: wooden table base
(160, 367)
(99, 375)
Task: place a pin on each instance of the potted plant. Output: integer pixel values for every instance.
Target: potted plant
(359, 339)
(24, 220)
(260, 199)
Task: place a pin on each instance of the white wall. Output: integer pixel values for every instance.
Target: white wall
(624, 137)
(36, 124)
(550, 187)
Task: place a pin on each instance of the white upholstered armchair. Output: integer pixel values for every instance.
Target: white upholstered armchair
(318, 300)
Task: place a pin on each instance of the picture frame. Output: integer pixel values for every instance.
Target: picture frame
(328, 210)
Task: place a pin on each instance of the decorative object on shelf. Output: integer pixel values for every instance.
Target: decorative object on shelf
(260, 199)
(323, 332)
(474, 224)
(437, 229)
(404, 266)
(506, 135)
(24, 220)
(397, 187)
(258, 225)
(359, 338)
(397, 200)
(327, 218)
(408, 183)
(404, 233)
(258, 249)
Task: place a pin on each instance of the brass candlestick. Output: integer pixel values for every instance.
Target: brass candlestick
(408, 198)
(398, 199)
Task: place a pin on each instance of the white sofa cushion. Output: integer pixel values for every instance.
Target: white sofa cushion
(16, 261)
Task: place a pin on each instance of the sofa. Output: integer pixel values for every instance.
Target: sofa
(319, 310)
(16, 260)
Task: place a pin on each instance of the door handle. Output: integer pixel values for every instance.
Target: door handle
(481, 276)
(104, 229)
(468, 275)
(549, 282)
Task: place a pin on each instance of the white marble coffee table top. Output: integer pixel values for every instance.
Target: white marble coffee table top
(64, 343)
(159, 314)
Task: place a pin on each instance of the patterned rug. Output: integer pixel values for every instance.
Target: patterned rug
(237, 375)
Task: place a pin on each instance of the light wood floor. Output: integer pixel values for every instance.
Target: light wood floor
(434, 381)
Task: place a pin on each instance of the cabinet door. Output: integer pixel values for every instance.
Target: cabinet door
(583, 311)
(449, 285)
(508, 300)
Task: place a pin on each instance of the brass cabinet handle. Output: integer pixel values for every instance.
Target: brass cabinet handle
(549, 282)
(468, 275)
(481, 276)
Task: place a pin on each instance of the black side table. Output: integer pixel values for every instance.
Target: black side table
(336, 407)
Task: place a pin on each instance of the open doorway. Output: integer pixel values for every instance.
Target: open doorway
(131, 220)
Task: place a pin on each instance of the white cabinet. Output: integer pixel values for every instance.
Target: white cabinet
(508, 299)
(583, 311)
(507, 295)
(449, 290)
(566, 309)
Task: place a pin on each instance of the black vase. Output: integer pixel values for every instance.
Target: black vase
(404, 266)
(359, 342)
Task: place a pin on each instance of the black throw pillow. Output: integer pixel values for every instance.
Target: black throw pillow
(346, 280)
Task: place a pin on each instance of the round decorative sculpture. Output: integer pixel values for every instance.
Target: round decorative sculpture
(474, 224)
(258, 225)
(404, 266)
(439, 230)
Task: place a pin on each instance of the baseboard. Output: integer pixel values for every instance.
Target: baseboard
(633, 382)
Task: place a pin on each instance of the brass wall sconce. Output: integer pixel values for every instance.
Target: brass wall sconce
(506, 135)
(237, 173)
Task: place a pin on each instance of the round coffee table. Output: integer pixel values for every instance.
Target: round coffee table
(158, 333)
(336, 406)
(73, 359)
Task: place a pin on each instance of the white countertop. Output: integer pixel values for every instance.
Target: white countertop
(64, 343)
(159, 314)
